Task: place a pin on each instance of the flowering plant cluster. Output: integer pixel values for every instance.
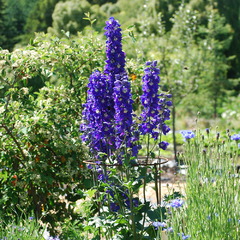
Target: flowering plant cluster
(112, 132)
(108, 114)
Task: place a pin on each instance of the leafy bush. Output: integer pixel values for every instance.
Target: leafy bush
(41, 151)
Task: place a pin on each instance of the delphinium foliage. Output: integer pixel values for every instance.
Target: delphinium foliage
(112, 132)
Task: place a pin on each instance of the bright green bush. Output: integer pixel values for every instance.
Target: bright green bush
(41, 153)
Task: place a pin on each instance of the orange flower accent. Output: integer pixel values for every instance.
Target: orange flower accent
(63, 159)
(37, 158)
(133, 76)
(81, 166)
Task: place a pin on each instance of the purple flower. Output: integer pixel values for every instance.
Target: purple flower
(235, 137)
(102, 177)
(176, 203)
(184, 236)
(97, 115)
(155, 109)
(159, 224)
(187, 135)
(90, 166)
(114, 207)
(115, 62)
(123, 111)
(163, 145)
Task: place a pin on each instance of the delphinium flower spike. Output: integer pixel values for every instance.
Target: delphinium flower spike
(98, 114)
(125, 135)
(115, 62)
(155, 109)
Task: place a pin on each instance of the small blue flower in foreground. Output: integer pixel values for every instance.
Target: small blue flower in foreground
(176, 203)
(235, 137)
(158, 224)
(52, 238)
(184, 236)
(187, 135)
(170, 229)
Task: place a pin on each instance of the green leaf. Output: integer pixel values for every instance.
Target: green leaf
(153, 155)
(87, 183)
(96, 238)
(3, 73)
(49, 180)
(91, 192)
(96, 221)
(24, 130)
(1, 87)
(31, 41)
(131, 26)
(67, 34)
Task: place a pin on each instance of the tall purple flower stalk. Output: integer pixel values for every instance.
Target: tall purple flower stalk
(98, 115)
(126, 135)
(123, 109)
(115, 62)
(155, 111)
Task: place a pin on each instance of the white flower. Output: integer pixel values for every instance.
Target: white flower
(2, 63)
(2, 109)
(25, 90)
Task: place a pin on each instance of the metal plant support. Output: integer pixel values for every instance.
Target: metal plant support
(157, 168)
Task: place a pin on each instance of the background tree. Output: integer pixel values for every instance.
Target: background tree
(68, 16)
(214, 84)
(2, 28)
(40, 17)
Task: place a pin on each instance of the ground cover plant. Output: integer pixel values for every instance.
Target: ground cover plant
(211, 206)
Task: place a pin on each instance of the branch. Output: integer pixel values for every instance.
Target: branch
(14, 139)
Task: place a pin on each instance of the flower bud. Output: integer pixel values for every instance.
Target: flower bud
(207, 130)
